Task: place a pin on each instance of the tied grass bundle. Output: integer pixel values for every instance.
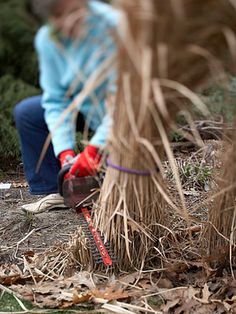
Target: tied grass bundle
(131, 209)
(222, 216)
(169, 47)
(167, 50)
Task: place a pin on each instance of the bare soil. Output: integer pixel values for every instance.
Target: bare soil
(41, 231)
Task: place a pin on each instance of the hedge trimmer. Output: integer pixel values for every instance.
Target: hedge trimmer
(79, 193)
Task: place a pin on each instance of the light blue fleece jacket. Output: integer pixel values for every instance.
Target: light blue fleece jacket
(64, 64)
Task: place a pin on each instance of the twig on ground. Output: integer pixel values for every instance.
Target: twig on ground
(39, 272)
(116, 309)
(135, 307)
(164, 291)
(22, 240)
(20, 303)
(29, 269)
(147, 305)
(158, 270)
(21, 195)
(129, 285)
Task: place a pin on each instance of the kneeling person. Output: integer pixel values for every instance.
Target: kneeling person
(73, 44)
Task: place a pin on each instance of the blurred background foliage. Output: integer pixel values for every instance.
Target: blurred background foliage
(18, 71)
(17, 29)
(221, 101)
(19, 75)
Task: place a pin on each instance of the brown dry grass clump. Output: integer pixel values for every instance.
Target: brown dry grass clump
(220, 232)
(167, 50)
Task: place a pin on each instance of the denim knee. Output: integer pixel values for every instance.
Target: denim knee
(19, 112)
(26, 111)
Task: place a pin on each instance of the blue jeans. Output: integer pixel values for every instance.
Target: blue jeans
(33, 131)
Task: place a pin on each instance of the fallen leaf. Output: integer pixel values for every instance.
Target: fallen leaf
(80, 279)
(130, 279)
(81, 298)
(214, 286)
(169, 305)
(145, 284)
(11, 274)
(83, 278)
(64, 296)
(99, 300)
(182, 294)
(25, 291)
(29, 253)
(66, 304)
(110, 294)
(54, 288)
(187, 306)
(165, 283)
(177, 267)
(205, 295)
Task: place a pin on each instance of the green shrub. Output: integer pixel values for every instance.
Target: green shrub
(17, 30)
(222, 101)
(18, 71)
(11, 91)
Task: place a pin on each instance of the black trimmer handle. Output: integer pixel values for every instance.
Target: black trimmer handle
(60, 177)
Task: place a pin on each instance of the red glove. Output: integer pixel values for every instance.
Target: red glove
(87, 163)
(66, 156)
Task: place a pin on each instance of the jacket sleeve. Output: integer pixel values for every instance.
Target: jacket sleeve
(54, 102)
(101, 135)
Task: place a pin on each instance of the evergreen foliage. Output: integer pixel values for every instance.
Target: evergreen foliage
(18, 71)
(221, 101)
(17, 30)
(12, 91)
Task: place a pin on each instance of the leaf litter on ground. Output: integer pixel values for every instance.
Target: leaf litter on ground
(127, 293)
(184, 284)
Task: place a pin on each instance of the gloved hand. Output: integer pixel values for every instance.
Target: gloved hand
(87, 163)
(66, 157)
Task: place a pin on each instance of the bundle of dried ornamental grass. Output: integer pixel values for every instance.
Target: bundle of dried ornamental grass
(131, 210)
(220, 232)
(165, 48)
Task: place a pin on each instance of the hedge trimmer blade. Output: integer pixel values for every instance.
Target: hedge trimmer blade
(79, 193)
(101, 252)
